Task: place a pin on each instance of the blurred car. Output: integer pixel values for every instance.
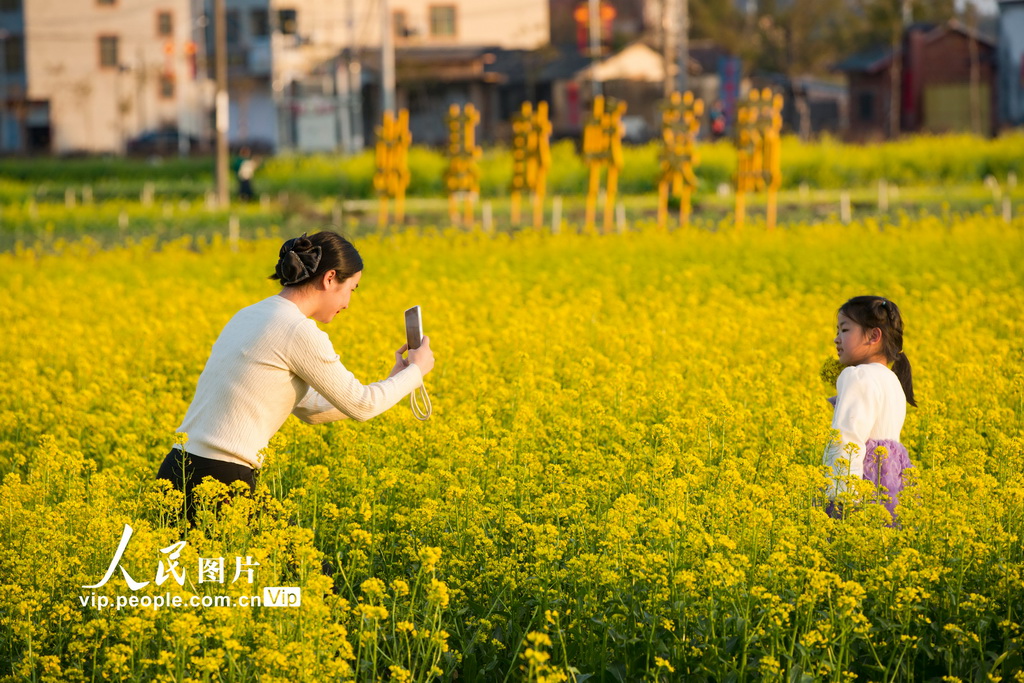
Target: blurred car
(163, 143)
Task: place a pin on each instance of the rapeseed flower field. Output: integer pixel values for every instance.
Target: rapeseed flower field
(621, 480)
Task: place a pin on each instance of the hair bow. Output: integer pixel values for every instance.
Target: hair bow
(295, 266)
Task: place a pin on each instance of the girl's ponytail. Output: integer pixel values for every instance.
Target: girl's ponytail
(901, 368)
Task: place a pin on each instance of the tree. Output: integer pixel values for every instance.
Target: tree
(720, 22)
(804, 37)
(886, 22)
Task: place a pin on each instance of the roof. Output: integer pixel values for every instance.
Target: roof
(563, 67)
(442, 63)
(871, 60)
(635, 62)
(960, 27)
(878, 57)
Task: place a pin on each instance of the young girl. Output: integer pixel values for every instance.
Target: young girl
(871, 403)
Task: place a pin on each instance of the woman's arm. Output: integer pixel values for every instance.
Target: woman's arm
(312, 357)
(314, 409)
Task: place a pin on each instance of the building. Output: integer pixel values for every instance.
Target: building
(90, 75)
(87, 75)
(306, 74)
(1011, 62)
(946, 83)
(13, 104)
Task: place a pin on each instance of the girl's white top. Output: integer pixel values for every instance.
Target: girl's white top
(870, 404)
(271, 361)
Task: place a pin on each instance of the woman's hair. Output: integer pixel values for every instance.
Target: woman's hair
(876, 311)
(304, 259)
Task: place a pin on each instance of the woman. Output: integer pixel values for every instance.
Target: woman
(271, 360)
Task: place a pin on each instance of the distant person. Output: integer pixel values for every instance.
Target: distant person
(245, 168)
(271, 361)
(871, 401)
(718, 120)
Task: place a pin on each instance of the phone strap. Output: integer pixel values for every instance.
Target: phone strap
(419, 401)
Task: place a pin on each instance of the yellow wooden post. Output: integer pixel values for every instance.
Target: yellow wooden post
(613, 135)
(592, 189)
(680, 124)
(771, 157)
(462, 177)
(609, 203)
(594, 146)
(689, 124)
(741, 163)
(471, 172)
(452, 173)
(382, 213)
(667, 166)
(662, 204)
(521, 125)
(542, 152)
(404, 139)
(382, 177)
(748, 154)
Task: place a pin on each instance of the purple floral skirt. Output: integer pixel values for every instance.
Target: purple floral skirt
(885, 470)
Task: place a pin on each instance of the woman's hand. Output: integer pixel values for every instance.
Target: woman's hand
(400, 363)
(423, 356)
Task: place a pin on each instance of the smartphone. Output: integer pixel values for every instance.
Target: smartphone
(413, 327)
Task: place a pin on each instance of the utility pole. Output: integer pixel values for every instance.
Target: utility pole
(668, 37)
(896, 72)
(595, 43)
(341, 95)
(221, 111)
(387, 58)
(179, 91)
(683, 46)
(972, 46)
(353, 81)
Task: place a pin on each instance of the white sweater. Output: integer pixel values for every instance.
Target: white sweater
(870, 405)
(268, 362)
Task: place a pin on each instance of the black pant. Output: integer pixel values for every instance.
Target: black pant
(186, 471)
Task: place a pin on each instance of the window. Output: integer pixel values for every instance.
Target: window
(14, 54)
(259, 23)
(232, 26)
(108, 51)
(166, 86)
(288, 21)
(442, 21)
(866, 106)
(400, 23)
(164, 24)
(10, 5)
